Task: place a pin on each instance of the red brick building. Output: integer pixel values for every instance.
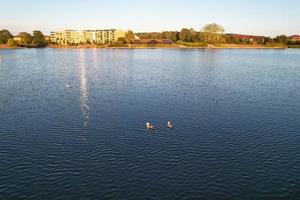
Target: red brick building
(241, 37)
(295, 38)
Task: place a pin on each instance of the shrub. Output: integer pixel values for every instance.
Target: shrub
(11, 43)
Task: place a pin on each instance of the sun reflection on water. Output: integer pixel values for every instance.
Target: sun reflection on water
(84, 94)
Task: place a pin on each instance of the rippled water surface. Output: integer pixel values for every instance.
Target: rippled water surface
(236, 117)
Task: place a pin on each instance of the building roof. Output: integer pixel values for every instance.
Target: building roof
(294, 36)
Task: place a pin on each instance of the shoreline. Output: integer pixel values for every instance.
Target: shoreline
(4, 46)
(170, 46)
(173, 46)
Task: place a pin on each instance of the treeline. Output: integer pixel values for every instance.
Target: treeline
(210, 34)
(215, 34)
(23, 39)
(260, 40)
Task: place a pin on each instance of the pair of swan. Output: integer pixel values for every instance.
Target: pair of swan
(151, 126)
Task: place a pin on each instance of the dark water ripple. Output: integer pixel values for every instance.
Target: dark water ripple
(236, 116)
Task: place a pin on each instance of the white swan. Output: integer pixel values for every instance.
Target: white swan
(149, 125)
(68, 86)
(170, 125)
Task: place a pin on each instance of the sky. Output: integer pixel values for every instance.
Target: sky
(257, 17)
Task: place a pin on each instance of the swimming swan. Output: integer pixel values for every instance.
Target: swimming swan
(149, 126)
(68, 86)
(170, 125)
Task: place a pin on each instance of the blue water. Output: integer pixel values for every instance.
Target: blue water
(236, 117)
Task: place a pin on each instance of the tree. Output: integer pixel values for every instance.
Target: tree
(213, 28)
(11, 43)
(184, 34)
(281, 39)
(152, 35)
(187, 35)
(212, 33)
(259, 40)
(121, 41)
(26, 39)
(175, 36)
(38, 38)
(268, 41)
(171, 35)
(4, 36)
(129, 36)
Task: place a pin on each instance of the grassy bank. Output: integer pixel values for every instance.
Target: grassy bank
(240, 46)
(150, 46)
(5, 46)
(193, 44)
(294, 46)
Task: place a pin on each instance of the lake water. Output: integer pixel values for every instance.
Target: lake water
(236, 117)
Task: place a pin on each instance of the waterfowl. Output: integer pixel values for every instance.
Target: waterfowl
(68, 86)
(170, 125)
(149, 126)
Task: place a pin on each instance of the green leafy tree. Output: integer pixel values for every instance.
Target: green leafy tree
(152, 35)
(213, 28)
(259, 40)
(281, 39)
(212, 33)
(175, 36)
(4, 36)
(268, 41)
(26, 39)
(184, 35)
(11, 43)
(129, 36)
(121, 41)
(187, 35)
(38, 38)
(198, 37)
(171, 35)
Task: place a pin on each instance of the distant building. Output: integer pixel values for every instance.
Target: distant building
(295, 38)
(58, 37)
(87, 36)
(109, 36)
